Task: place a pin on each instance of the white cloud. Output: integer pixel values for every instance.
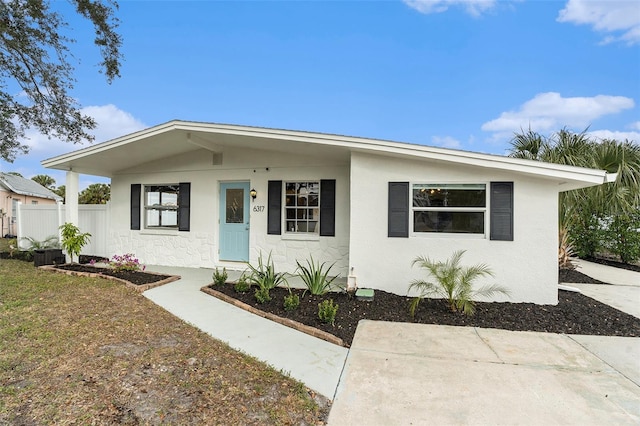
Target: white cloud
(614, 134)
(446, 142)
(634, 125)
(622, 18)
(550, 111)
(111, 122)
(472, 7)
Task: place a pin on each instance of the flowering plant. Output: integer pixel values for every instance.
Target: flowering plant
(126, 262)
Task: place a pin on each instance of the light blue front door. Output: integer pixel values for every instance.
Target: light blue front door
(234, 221)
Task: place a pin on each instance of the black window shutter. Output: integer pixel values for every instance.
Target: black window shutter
(328, 208)
(501, 222)
(136, 190)
(184, 206)
(274, 207)
(398, 216)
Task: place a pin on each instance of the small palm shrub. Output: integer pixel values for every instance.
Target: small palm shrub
(327, 311)
(242, 285)
(220, 278)
(316, 277)
(49, 242)
(291, 302)
(452, 282)
(265, 277)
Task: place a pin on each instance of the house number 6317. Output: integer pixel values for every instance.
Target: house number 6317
(258, 209)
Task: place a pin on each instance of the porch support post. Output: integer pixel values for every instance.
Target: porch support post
(71, 197)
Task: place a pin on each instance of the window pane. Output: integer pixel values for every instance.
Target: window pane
(449, 222)
(161, 206)
(299, 196)
(459, 195)
(153, 217)
(169, 218)
(235, 205)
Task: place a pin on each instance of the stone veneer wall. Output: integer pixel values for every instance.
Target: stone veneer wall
(192, 249)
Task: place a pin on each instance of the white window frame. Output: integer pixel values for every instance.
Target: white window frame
(287, 221)
(160, 208)
(485, 210)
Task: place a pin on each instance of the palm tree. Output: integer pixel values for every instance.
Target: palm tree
(452, 282)
(583, 210)
(44, 180)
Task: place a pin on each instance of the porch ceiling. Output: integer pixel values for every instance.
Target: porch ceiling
(110, 157)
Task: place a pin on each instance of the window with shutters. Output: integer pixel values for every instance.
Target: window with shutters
(302, 207)
(449, 208)
(161, 206)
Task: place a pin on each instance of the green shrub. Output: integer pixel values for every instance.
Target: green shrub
(262, 295)
(73, 240)
(452, 282)
(327, 311)
(622, 236)
(291, 302)
(315, 277)
(242, 285)
(585, 235)
(220, 278)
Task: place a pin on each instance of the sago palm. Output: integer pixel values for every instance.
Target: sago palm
(452, 282)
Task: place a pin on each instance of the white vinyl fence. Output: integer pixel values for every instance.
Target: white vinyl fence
(42, 221)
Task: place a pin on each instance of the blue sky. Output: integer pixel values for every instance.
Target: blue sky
(457, 74)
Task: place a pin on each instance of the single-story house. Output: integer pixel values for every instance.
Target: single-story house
(15, 189)
(211, 195)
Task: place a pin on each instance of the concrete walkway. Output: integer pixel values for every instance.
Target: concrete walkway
(400, 373)
(417, 374)
(624, 294)
(409, 374)
(316, 363)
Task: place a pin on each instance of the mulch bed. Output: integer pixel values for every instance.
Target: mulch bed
(573, 276)
(139, 280)
(574, 314)
(613, 263)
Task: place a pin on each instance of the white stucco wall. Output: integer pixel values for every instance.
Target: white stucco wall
(199, 246)
(527, 266)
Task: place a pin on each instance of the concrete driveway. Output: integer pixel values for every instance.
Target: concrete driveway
(415, 374)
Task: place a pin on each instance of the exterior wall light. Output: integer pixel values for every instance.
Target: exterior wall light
(253, 194)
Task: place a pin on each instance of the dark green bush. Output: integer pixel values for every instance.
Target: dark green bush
(622, 237)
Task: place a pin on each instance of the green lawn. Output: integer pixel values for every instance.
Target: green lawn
(90, 351)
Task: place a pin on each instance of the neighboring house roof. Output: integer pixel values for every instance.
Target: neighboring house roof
(22, 186)
(178, 137)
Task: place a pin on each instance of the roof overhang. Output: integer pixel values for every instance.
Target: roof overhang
(178, 137)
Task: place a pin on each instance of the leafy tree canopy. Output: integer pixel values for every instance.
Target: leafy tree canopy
(97, 193)
(34, 59)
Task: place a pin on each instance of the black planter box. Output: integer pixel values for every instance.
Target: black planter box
(48, 257)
